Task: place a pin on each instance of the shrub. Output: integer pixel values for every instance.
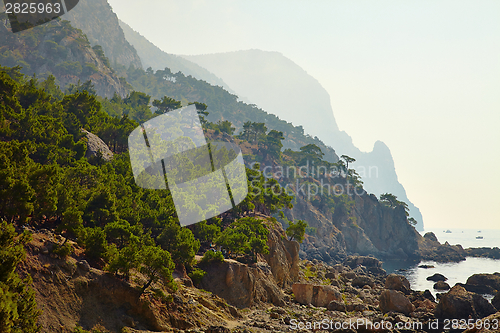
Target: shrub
(212, 256)
(63, 250)
(196, 275)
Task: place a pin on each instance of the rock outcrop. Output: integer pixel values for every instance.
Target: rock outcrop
(489, 280)
(242, 285)
(283, 257)
(98, 21)
(460, 303)
(96, 147)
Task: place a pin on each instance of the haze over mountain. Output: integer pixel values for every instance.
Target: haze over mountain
(154, 57)
(283, 88)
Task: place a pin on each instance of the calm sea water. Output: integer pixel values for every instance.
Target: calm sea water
(455, 272)
(467, 237)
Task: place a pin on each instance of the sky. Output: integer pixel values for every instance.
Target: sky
(422, 76)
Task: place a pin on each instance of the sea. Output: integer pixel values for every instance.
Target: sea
(455, 272)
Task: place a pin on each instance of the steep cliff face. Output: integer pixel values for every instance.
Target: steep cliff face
(387, 228)
(59, 49)
(98, 21)
(378, 230)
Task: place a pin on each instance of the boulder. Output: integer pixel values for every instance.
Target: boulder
(460, 303)
(441, 285)
(97, 147)
(491, 280)
(393, 300)
(363, 280)
(377, 271)
(437, 277)
(337, 306)
(317, 295)
(83, 264)
(397, 282)
(242, 285)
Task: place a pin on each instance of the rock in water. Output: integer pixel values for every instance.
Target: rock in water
(437, 277)
(490, 280)
(96, 147)
(459, 303)
(392, 300)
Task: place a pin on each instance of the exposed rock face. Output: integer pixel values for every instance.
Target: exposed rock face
(379, 231)
(392, 300)
(397, 282)
(432, 250)
(328, 244)
(63, 51)
(317, 295)
(283, 257)
(98, 21)
(241, 285)
(96, 147)
(459, 303)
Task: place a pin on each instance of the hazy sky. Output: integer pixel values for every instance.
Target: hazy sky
(421, 76)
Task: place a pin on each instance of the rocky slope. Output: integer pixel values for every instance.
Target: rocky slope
(98, 21)
(59, 49)
(283, 88)
(73, 293)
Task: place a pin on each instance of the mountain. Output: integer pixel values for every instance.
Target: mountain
(154, 57)
(59, 49)
(98, 21)
(283, 88)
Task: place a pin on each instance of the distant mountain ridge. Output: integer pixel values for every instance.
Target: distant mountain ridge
(283, 88)
(152, 56)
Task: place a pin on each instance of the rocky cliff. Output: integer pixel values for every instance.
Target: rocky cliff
(59, 49)
(98, 21)
(378, 230)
